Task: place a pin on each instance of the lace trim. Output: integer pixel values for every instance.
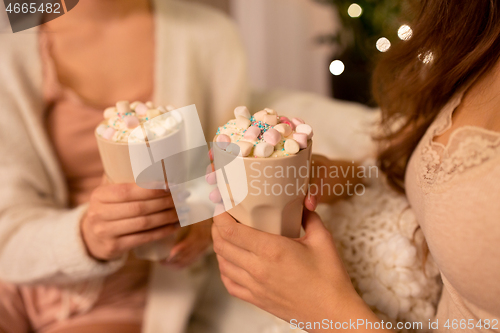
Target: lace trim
(467, 147)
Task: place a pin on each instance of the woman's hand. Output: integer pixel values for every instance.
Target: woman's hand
(121, 217)
(331, 181)
(192, 247)
(301, 279)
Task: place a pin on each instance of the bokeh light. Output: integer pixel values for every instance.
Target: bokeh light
(383, 44)
(405, 32)
(354, 10)
(337, 67)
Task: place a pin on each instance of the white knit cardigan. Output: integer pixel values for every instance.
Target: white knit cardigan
(199, 60)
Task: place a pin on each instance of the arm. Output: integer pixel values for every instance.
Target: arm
(298, 280)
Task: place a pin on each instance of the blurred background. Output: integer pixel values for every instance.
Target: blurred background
(327, 47)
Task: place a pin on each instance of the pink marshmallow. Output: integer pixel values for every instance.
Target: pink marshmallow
(223, 141)
(141, 109)
(252, 133)
(108, 133)
(297, 121)
(272, 136)
(301, 139)
(259, 116)
(131, 121)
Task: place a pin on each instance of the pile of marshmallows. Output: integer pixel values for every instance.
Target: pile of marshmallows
(128, 116)
(268, 129)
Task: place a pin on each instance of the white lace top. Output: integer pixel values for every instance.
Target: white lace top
(454, 191)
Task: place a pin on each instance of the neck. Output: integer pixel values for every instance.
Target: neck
(91, 9)
(97, 11)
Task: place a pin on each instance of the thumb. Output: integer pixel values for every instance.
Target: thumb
(313, 225)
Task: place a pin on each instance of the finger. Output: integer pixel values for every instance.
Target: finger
(143, 223)
(115, 193)
(311, 202)
(230, 252)
(236, 290)
(120, 211)
(215, 196)
(243, 236)
(132, 241)
(211, 178)
(235, 273)
(182, 247)
(185, 259)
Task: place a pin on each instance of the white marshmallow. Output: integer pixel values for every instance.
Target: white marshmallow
(243, 122)
(284, 129)
(242, 111)
(263, 149)
(305, 129)
(170, 123)
(270, 111)
(259, 116)
(110, 112)
(245, 148)
(123, 107)
(159, 131)
(150, 104)
(153, 113)
(101, 129)
(291, 146)
(134, 105)
(271, 119)
(162, 109)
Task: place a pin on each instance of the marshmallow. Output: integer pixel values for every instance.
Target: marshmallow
(110, 112)
(152, 113)
(223, 141)
(123, 107)
(306, 129)
(252, 133)
(271, 119)
(242, 111)
(292, 146)
(108, 133)
(301, 139)
(259, 116)
(101, 129)
(159, 131)
(150, 104)
(272, 136)
(243, 122)
(297, 121)
(284, 129)
(287, 121)
(245, 148)
(270, 111)
(134, 105)
(263, 149)
(131, 121)
(141, 109)
(170, 123)
(162, 109)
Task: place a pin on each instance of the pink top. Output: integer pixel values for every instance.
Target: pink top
(454, 191)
